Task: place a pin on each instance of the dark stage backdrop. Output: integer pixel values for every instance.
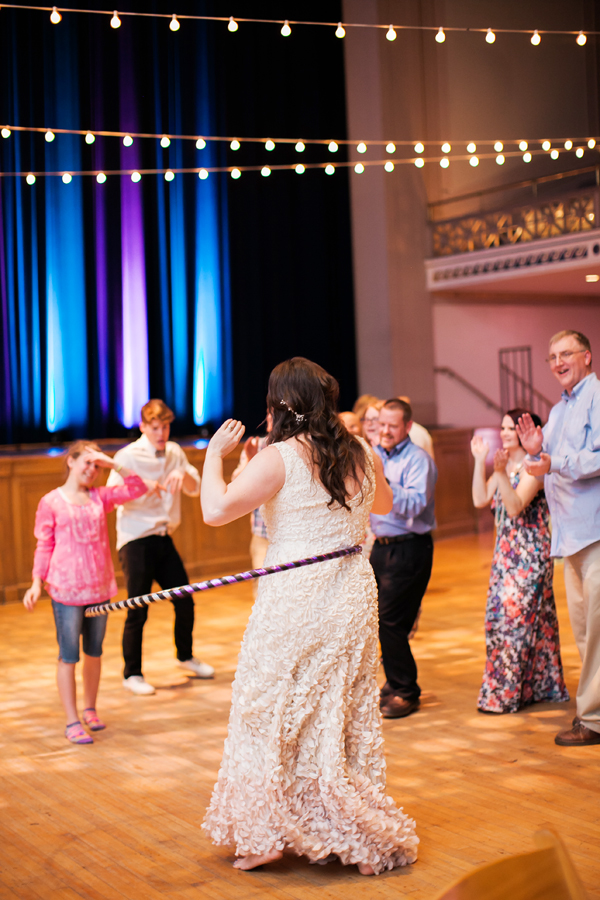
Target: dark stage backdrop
(190, 290)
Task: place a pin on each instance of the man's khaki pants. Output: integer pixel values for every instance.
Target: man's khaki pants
(582, 580)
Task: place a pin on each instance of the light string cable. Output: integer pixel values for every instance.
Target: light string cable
(236, 172)
(176, 593)
(270, 143)
(391, 30)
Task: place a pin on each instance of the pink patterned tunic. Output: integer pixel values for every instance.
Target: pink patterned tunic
(73, 553)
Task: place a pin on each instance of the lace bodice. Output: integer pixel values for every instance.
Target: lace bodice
(298, 519)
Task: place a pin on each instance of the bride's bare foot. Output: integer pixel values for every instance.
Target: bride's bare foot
(364, 869)
(256, 859)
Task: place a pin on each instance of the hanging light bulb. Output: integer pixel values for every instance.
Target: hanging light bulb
(474, 161)
(101, 178)
(329, 169)
(300, 147)
(269, 145)
(568, 145)
(440, 36)
(174, 24)
(340, 31)
(419, 148)
(300, 169)
(500, 159)
(471, 148)
(30, 179)
(490, 37)
(535, 38)
(359, 168)
(49, 136)
(232, 25)
(67, 178)
(115, 22)
(165, 142)
(6, 132)
(235, 173)
(591, 143)
(390, 148)
(446, 148)
(169, 175)
(527, 157)
(389, 166)
(55, 16)
(498, 146)
(419, 163)
(579, 152)
(135, 177)
(546, 145)
(203, 174)
(554, 154)
(200, 144)
(391, 33)
(265, 171)
(362, 147)
(90, 138)
(523, 145)
(581, 39)
(286, 30)
(333, 147)
(444, 162)
(127, 140)
(235, 145)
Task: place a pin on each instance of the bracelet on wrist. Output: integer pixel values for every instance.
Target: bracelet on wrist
(118, 468)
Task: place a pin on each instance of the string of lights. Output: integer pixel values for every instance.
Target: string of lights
(233, 24)
(300, 144)
(300, 168)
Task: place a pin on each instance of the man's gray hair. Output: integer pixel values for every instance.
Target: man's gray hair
(579, 337)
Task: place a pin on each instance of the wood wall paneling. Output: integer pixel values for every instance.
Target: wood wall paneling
(206, 551)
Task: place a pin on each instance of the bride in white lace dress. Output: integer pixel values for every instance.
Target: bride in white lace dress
(303, 766)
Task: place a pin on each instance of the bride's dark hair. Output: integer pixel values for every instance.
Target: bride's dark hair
(302, 398)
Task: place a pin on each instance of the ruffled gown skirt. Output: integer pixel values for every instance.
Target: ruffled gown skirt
(303, 766)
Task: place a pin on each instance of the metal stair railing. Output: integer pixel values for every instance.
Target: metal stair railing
(451, 373)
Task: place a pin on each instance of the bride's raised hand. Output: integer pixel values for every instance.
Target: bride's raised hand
(226, 438)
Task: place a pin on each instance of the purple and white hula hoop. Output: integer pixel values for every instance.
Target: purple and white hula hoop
(174, 593)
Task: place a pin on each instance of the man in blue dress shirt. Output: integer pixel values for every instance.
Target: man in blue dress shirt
(402, 555)
(570, 465)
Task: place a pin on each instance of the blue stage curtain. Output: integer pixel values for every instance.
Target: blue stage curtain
(109, 293)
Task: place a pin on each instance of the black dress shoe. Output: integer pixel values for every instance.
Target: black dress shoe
(397, 707)
(578, 736)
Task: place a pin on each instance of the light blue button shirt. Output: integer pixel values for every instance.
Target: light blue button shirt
(412, 475)
(572, 440)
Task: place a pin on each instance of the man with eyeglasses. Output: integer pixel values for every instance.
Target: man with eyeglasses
(570, 465)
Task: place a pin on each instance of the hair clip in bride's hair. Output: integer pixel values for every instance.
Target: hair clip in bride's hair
(299, 416)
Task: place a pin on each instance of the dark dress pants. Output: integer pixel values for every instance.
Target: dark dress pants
(149, 559)
(402, 572)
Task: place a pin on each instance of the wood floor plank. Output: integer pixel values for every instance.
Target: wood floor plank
(120, 820)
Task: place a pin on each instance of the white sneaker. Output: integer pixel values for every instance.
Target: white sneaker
(200, 669)
(138, 685)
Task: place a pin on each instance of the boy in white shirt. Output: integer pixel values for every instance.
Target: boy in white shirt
(146, 550)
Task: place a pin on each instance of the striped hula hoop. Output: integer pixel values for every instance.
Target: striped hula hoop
(175, 593)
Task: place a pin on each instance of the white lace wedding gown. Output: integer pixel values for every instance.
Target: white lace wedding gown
(303, 765)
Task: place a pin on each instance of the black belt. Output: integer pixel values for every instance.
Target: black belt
(400, 538)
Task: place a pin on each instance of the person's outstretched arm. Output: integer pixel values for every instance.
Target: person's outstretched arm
(260, 480)
(483, 490)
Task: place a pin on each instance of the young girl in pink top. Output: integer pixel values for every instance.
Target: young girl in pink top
(73, 558)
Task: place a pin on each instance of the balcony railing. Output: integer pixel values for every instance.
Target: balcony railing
(538, 220)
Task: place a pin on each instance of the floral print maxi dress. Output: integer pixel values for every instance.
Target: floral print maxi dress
(523, 664)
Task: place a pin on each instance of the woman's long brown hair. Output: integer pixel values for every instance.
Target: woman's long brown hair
(301, 388)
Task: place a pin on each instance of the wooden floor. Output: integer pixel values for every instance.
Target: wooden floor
(121, 818)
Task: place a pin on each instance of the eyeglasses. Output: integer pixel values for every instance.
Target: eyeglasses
(370, 419)
(565, 356)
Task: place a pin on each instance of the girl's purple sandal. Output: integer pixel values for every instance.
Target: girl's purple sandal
(90, 717)
(75, 733)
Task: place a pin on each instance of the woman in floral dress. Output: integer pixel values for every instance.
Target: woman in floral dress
(523, 664)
